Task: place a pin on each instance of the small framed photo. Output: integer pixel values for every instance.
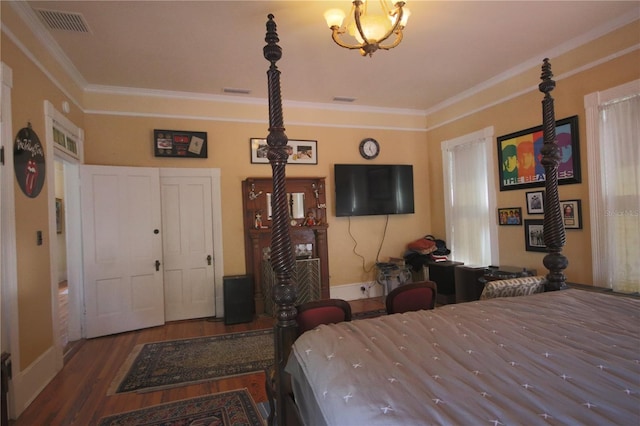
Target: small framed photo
(534, 235)
(535, 202)
(510, 216)
(300, 151)
(571, 214)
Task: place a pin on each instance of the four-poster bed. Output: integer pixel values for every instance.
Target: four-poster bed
(559, 357)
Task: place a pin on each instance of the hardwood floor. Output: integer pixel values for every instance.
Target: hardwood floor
(78, 394)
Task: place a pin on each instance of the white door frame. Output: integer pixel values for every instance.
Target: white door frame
(9, 270)
(72, 225)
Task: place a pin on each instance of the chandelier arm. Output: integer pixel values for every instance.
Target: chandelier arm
(394, 28)
(335, 35)
(396, 42)
(356, 15)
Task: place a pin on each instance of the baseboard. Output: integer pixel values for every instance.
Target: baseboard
(354, 291)
(26, 385)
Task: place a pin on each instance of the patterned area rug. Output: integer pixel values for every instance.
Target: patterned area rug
(160, 365)
(234, 408)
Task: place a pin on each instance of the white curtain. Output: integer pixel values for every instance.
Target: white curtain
(468, 212)
(620, 189)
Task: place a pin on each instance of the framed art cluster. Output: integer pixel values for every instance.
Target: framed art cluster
(300, 151)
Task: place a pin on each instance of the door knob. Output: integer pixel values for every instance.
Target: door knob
(209, 260)
(157, 265)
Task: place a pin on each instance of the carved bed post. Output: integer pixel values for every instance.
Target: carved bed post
(282, 260)
(554, 234)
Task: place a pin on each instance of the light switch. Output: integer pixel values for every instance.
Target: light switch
(39, 238)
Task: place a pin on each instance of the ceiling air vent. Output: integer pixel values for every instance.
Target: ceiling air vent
(343, 99)
(236, 91)
(67, 21)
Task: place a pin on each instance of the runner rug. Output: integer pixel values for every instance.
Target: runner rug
(234, 408)
(162, 365)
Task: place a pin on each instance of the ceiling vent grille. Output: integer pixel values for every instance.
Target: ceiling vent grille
(343, 99)
(66, 21)
(236, 91)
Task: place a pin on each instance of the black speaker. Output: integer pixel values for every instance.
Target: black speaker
(238, 299)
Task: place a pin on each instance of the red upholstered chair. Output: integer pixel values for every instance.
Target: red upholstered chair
(412, 297)
(327, 311)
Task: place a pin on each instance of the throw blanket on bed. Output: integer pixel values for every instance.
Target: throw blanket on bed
(563, 358)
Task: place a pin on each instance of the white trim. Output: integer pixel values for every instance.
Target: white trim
(8, 259)
(565, 47)
(353, 291)
(534, 88)
(39, 65)
(32, 22)
(29, 383)
(216, 211)
(592, 102)
(248, 120)
(486, 135)
(38, 29)
(72, 230)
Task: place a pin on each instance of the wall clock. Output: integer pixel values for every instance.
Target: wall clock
(369, 148)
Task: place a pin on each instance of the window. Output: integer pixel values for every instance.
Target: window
(467, 165)
(613, 131)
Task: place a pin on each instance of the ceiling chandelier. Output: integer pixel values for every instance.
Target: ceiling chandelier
(370, 28)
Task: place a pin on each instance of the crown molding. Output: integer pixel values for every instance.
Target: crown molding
(565, 47)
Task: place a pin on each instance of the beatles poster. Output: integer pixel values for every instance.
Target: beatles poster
(520, 156)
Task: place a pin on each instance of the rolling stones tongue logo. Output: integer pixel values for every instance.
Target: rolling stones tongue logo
(29, 164)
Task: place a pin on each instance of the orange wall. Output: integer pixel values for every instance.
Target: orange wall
(118, 132)
(127, 141)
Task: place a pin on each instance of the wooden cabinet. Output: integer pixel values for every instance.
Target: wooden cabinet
(307, 211)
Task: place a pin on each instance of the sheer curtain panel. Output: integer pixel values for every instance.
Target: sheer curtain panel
(613, 127)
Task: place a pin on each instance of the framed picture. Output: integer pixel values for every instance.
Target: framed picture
(519, 156)
(178, 143)
(510, 216)
(571, 214)
(534, 235)
(300, 151)
(535, 202)
(59, 216)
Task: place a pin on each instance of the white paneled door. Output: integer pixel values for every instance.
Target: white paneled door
(122, 249)
(187, 241)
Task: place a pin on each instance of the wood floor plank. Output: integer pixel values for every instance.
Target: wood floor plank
(78, 394)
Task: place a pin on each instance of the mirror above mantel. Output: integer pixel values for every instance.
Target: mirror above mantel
(296, 205)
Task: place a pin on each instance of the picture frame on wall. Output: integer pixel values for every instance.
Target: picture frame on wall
(535, 202)
(300, 151)
(519, 157)
(534, 235)
(571, 214)
(510, 216)
(179, 143)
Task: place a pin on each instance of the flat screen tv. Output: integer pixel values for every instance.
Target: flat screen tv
(373, 189)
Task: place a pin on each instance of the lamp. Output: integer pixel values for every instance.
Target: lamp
(370, 30)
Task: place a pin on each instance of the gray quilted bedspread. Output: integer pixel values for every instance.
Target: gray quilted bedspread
(570, 357)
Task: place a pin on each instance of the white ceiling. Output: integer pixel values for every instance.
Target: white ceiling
(449, 47)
